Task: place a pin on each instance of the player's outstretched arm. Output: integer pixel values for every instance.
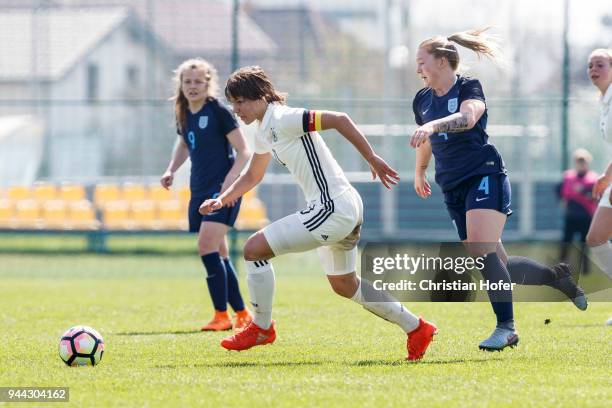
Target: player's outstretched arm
(469, 114)
(244, 183)
(423, 156)
(180, 153)
(345, 126)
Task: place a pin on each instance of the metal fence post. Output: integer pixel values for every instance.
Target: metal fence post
(388, 198)
(526, 219)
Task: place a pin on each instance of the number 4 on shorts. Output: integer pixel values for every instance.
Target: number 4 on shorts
(484, 185)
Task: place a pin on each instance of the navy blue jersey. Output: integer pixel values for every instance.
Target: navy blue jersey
(211, 153)
(459, 156)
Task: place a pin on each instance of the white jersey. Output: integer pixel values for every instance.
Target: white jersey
(605, 122)
(288, 133)
(605, 125)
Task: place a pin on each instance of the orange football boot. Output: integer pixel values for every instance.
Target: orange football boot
(251, 336)
(419, 339)
(243, 319)
(220, 322)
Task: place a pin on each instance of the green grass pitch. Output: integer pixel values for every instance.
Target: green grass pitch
(329, 351)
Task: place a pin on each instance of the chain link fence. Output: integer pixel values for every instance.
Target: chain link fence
(84, 88)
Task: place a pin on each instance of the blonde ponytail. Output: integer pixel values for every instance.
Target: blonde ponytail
(475, 40)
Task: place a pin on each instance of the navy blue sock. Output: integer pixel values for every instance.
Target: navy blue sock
(216, 280)
(494, 271)
(525, 271)
(233, 290)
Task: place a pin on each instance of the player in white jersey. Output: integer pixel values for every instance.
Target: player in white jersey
(598, 237)
(331, 221)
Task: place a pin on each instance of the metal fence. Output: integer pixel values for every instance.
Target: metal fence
(84, 88)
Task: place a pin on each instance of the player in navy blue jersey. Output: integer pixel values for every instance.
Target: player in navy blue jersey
(208, 134)
(452, 117)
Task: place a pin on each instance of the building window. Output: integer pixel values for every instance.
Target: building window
(132, 76)
(93, 79)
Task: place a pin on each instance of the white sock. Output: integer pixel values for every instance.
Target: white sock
(385, 306)
(603, 257)
(260, 280)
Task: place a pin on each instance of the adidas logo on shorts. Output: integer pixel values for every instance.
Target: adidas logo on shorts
(324, 237)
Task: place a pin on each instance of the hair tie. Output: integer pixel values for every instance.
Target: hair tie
(445, 49)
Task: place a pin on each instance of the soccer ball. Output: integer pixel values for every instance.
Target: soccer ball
(81, 345)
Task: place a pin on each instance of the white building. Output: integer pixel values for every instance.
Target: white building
(73, 69)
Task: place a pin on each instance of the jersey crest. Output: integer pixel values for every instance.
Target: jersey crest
(274, 135)
(452, 105)
(203, 122)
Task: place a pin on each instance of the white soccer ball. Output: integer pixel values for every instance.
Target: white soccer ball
(81, 345)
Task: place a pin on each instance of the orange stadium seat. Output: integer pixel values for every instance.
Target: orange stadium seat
(143, 215)
(252, 193)
(158, 193)
(133, 192)
(44, 191)
(184, 194)
(16, 193)
(115, 215)
(7, 213)
(72, 192)
(82, 215)
(251, 217)
(104, 193)
(252, 213)
(54, 214)
(172, 216)
(27, 214)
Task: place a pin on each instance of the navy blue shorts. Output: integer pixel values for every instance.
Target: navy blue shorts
(226, 215)
(490, 192)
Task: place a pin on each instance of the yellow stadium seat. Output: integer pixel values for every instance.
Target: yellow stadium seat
(143, 215)
(16, 193)
(72, 192)
(250, 194)
(55, 214)
(171, 215)
(133, 192)
(7, 213)
(251, 218)
(44, 191)
(158, 193)
(104, 193)
(252, 214)
(184, 195)
(82, 215)
(27, 214)
(116, 215)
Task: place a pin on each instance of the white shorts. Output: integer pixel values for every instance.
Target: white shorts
(604, 201)
(333, 228)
